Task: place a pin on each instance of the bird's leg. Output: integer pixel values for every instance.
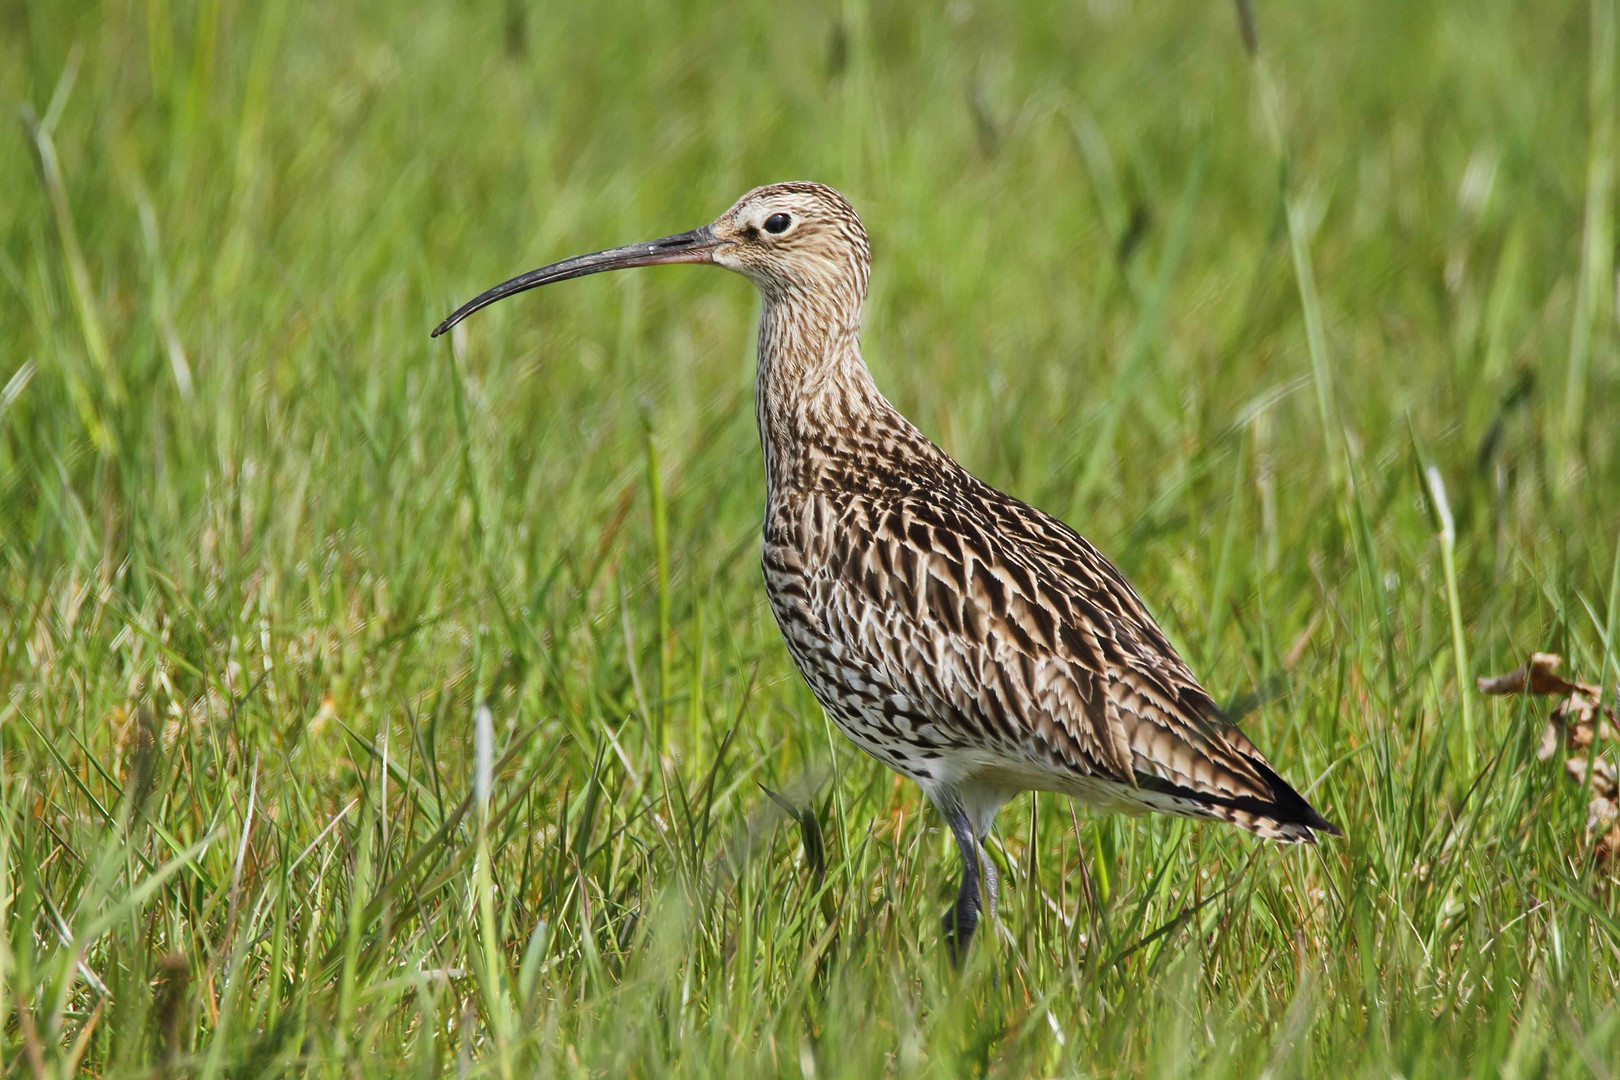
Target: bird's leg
(992, 880)
(963, 917)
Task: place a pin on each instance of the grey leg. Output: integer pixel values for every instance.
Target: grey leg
(963, 917)
(992, 882)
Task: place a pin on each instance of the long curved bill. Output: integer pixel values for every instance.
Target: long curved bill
(696, 246)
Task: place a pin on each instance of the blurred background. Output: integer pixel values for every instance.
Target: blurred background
(1304, 314)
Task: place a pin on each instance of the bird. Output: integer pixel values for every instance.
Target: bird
(960, 636)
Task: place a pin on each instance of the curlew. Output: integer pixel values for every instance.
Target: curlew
(963, 638)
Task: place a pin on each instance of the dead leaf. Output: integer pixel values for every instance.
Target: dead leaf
(1541, 673)
(1603, 775)
(1579, 726)
(1576, 723)
(1603, 822)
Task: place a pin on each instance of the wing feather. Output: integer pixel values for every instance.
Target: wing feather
(1010, 631)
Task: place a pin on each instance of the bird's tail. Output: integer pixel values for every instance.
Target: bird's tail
(1274, 812)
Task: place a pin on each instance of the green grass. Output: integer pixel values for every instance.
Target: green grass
(265, 549)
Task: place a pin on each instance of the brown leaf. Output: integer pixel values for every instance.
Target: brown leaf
(1604, 785)
(1540, 673)
(1551, 736)
(1603, 822)
(1577, 725)
(1583, 721)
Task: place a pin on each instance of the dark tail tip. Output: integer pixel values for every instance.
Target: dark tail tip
(1289, 806)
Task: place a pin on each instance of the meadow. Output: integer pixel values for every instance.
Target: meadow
(372, 705)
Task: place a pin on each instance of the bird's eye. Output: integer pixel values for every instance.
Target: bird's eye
(778, 223)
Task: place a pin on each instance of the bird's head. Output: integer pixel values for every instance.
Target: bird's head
(792, 238)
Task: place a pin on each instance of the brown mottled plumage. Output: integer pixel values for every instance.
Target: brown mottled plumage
(963, 638)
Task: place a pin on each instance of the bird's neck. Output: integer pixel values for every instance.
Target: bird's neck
(813, 396)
